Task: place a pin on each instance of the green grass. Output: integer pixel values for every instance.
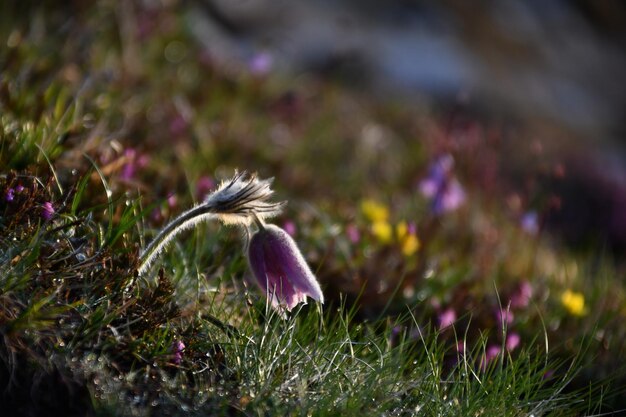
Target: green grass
(82, 334)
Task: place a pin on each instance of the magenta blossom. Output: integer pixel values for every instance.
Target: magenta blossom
(504, 317)
(522, 296)
(530, 223)
(513, 340)
(280, 269)
(47, 211)
(290, 227)
(177, 352)
(261, 63)
(492, 352)
(10, 195)
(446, 318)
(353, 233)
(203, 186)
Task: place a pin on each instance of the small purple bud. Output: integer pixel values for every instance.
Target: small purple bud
(172, 200)
(19, 188)
(353, 233)
(441, 187)
(492, 352)
(280, 269)
(47, 211)
(521, 298)
(261, 63)
(10, 195)
(530, 223)
(203, 186)
(129, 168)
(446, 318)
(290, 227)
(177, 352)
(178, 125)
(512, 341)
(156, 215)
(504, 317)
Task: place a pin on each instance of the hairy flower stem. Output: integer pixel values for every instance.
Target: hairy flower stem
(240, 200)
(185, 221)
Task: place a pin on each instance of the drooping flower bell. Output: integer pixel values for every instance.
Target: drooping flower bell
(280, 268)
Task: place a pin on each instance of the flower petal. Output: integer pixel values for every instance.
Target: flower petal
(280, 269)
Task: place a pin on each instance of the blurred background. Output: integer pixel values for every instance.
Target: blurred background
(555, 66)
(560, 61)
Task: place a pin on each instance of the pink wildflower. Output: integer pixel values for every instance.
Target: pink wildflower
(290, 227)
(513, 340)
(491, 353)
(261, 64)
(523, 294)
(530, 223)
(353, 233)
(444, 190)
(504, 317)
(47, 211)
(446, 318)
(203, 186)
(177, 352)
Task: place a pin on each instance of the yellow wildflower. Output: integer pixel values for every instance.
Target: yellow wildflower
(402, 229)
(574, 303)
(374, 211)
(382, 231)
(409, 243)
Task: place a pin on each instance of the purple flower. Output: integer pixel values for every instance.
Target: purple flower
(261, 63)
(10, 195)
(521, 298)
(47, 211)
(177, 351)
(530, 223)
(353, 233)
(172, 200)
(446, 318)
(133, 161)
(490, 354)
(512, 341)
(290, 228)
(504, 317)
(203, 186)
(280, 269)
(178, 125)
(445, 191)
(19, 188)
(128, 171)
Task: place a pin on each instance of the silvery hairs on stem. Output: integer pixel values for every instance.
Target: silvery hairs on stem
(240, 200)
